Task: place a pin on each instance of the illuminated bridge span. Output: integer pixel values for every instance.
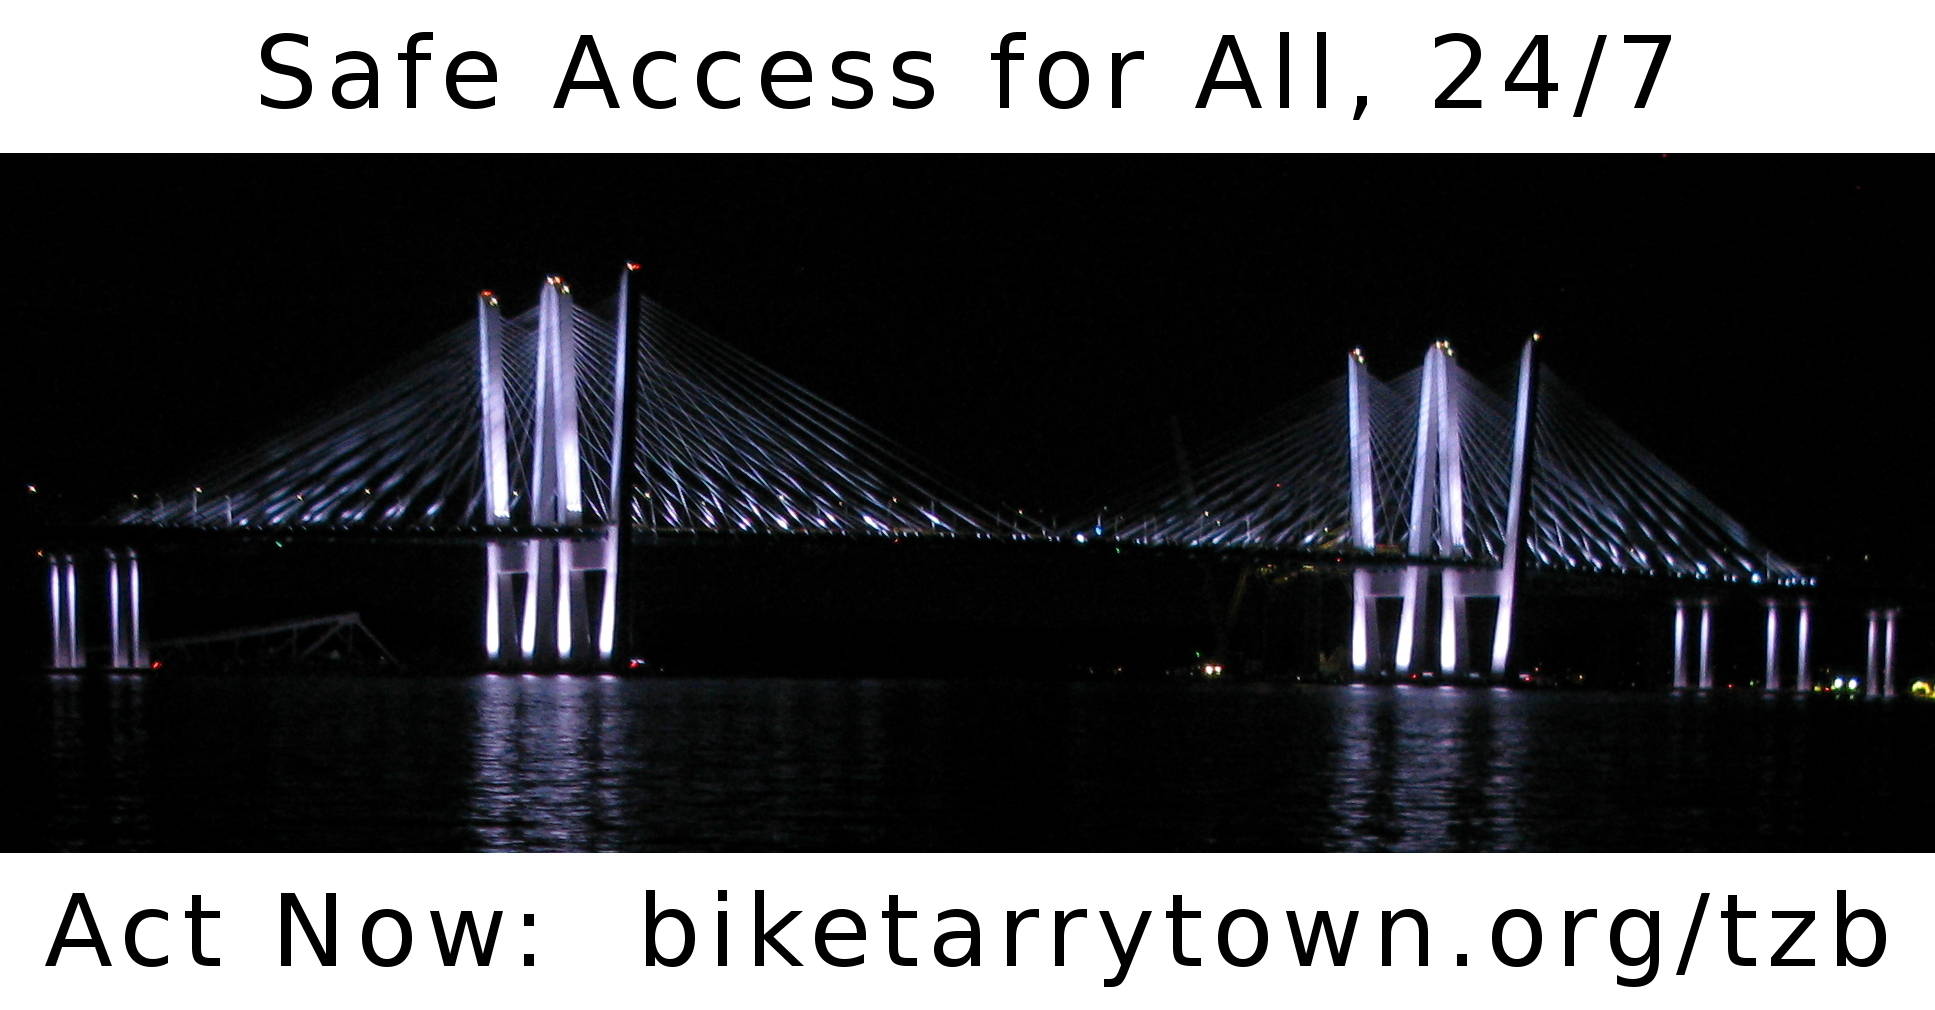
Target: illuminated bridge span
(512, 421)
(510, 429)
(525, 432)
(1436, 490)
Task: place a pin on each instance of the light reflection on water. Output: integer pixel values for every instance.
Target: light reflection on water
(544, 760)
(523, 762)
(1428, 768)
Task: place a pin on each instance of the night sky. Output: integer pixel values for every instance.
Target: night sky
(1028, 324)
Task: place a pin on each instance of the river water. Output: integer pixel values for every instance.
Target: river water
(340, 763)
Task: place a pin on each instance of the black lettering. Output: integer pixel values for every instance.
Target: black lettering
(1843, 917)
(368, 99)
(972, 934)
(1116, 63)
(769, 937)
(1124, 955)
(1572, 920)
(303, 85)
(1176, 915)
(1014, 926)
(587, 46)
(195, 915)
(705, 79)
(1002, 57)
(767, 78)
(840, 74)
(411, 58)
(1256, 926)
(134, 949)
(822, 936)
(1062, 919)
(1650, 957)
(1214, 80)
(403, 938)
(638, 79)
(449, 946)
(1733, 915)
(325, 953)
(653, 916)
(1047, 73)
(1498, 938)
(453, 76)
(78, 902)
(1320, 927)
(893, 915)
(1780, 958)
(1424, 934)
(926, 86)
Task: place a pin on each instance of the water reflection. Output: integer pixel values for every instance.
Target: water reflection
(97, 744)
(1427, 768)
(546, 754)
(515, 762)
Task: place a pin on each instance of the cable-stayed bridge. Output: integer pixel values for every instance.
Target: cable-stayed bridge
(557, 435)
(1438, 490)
(511, 423)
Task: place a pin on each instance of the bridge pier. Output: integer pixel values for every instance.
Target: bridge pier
(1880, 669)
(65, 638)
(1453, 651)
(1681, 681)
(1365, 654)
(1803, 667)
(127, 636)
(1367, 643)
(1695, 658)
(1427, 496)
(117, 637)
(1888, 654)
(537, 636)
(127, 642)
(137, 630)
(1706, 645)
(1874, 652)
(500, 599)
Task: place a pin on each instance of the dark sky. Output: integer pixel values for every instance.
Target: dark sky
(1028, 323)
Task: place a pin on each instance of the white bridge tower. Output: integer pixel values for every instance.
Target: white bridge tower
(1437, 528)
(538, 588)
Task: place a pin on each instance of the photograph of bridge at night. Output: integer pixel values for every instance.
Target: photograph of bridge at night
(583, 572)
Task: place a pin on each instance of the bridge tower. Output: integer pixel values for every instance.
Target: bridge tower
(501, 560)
(537, 597)
(1423, 539)
(1518, 502)
(1438, 493)
(1437, 521)
(1368, 585)
(1437, 527)
(613, 618)
(1706, 645)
